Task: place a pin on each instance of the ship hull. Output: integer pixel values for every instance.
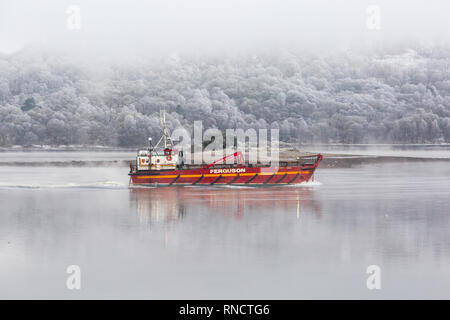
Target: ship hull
(244, 176)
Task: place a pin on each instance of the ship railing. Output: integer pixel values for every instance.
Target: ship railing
(310, 159)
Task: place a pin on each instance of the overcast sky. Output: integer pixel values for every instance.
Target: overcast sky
(110, 26)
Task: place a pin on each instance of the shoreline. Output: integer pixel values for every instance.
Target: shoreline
(330, 160)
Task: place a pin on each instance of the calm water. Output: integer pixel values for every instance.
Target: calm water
(438, 151)
(312, 241)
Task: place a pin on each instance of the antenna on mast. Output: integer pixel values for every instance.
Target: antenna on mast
(166, 133)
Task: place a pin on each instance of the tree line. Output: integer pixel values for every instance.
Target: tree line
(396, 95)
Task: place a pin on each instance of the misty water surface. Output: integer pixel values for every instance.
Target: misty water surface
(312, 241)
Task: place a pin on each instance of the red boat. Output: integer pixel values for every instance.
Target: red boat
(167, 168)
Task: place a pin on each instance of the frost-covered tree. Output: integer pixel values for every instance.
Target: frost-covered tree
(400, 96)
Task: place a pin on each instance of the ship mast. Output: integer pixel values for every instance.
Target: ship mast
(164, 128)
(166, 134)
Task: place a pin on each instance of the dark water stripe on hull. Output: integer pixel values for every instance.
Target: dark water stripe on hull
(279, 180)
(218, 178)
(178, 176)
(234, 179)
(295, 177)
(198, 180)
(270, 178)
(249, 180)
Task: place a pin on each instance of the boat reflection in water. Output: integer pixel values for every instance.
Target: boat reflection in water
(170, 205)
